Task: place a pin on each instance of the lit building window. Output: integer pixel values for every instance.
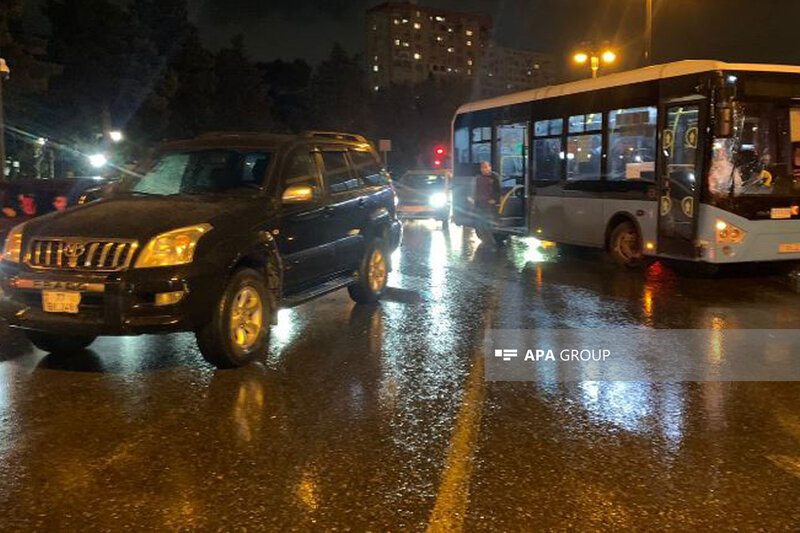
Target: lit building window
(417, 56)
(469, 33)
(449, 69)
(417, 25)
(469, 43)
(469, 62)
(374, 27)
(397, 42)
(375, 68)
(439, 19)
(376, 88)
(396, 21)
(405, 44)
(405, 21)
(451, 49)
(469, 72)
(439, 38)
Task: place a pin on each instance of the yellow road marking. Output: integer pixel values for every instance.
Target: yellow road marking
(453, 496)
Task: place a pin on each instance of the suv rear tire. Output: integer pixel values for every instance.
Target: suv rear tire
(372, 274)
(238, 332)
(59, 344)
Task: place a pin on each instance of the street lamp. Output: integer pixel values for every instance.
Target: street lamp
(115, 136)
(98, 160)
(595, 58)
(4, 73)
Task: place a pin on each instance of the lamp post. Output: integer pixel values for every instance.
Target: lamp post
(595, 59)
(648, 33)
(4, 72)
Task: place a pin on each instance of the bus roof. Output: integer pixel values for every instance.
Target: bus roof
(654, 72)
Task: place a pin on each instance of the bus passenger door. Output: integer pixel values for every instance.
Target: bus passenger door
(511, 164)
(679, 181)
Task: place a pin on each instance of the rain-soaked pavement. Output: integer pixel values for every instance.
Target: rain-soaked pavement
(379, 418)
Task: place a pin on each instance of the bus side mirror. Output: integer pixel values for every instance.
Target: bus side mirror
(723, 122)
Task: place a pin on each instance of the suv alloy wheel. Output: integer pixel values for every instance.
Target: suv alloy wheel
(372, 274)
(238, 332)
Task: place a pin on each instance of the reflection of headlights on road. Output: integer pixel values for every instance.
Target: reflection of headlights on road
(438, 200)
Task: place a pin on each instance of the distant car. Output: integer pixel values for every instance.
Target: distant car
(216, 236)
(423, 194)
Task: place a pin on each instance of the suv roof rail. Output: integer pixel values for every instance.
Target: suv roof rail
(224, 133)
(337, 135)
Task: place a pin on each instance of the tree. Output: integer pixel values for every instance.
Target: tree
(339, 93)
(240, 97)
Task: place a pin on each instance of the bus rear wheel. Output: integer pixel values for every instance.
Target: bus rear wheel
(625, 245)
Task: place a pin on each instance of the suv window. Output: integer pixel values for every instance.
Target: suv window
(367, 167)
(301, 169)
(337, 173)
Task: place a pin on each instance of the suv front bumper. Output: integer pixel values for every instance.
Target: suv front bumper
(120, 303)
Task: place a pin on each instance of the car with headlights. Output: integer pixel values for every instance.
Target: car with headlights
(424, 194)
(213, 237)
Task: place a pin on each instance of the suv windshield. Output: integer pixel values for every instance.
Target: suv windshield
(204, 171)
(760, 158)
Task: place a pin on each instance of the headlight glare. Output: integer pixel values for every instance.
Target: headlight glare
(12, 249)
(172, 248)
(438, 199)
(727, 233)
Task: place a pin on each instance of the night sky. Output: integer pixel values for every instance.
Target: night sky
(736, 30)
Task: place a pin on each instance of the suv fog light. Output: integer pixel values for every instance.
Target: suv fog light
(169, 298)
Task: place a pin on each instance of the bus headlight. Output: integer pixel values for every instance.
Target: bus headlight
(438, 199)
(727, 233)
(12, 249)
(172, 248)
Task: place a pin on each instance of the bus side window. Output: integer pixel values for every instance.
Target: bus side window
(461, 145)
(547, 150)
(584, 147)
(481, 144)
(632, 144)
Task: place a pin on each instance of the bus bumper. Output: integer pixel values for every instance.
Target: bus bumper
(766, 240)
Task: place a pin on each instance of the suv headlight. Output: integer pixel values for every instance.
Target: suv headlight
(727, 233)
(438, 199)
(172, 248)
(12, 249)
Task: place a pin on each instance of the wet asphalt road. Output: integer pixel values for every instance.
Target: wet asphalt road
(379, 418)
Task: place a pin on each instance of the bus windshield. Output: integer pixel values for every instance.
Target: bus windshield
(762, 158)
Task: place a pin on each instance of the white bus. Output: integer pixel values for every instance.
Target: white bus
(693, 160)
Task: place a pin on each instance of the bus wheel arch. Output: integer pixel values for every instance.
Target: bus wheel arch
(624, 241)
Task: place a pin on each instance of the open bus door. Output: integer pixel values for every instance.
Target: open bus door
(681, 164)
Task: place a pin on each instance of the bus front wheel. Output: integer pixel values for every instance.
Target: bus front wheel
(625, 245)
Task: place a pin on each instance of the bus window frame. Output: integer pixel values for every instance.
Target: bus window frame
(532, 138)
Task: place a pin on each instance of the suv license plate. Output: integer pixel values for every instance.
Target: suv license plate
(61, 302)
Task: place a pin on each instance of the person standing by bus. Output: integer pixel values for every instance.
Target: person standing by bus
(487, 200)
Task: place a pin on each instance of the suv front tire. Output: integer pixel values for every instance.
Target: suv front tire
(238, 331)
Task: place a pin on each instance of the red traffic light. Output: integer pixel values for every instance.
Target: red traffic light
(440, 150)
(437, 163)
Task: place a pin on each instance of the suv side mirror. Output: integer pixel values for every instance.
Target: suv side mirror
(297, 194)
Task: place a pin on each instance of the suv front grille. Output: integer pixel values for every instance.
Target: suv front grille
(96, 255)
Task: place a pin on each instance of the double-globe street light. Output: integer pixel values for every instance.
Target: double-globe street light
(595, 58)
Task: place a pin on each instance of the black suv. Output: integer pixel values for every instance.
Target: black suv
(214, 237)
